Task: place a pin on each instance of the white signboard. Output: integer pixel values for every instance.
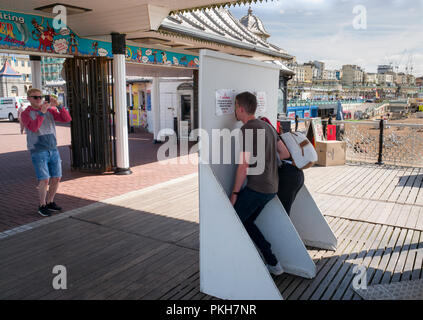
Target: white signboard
(225, 102)
(261, 103)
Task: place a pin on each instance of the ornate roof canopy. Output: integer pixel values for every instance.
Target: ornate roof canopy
(255, 25)
(218, 25)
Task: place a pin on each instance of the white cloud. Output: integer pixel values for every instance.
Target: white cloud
(322, 30)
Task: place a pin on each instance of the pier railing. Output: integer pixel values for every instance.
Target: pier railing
(380, 142)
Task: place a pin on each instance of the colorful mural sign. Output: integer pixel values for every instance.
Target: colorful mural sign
(155, 56)
(36, 34)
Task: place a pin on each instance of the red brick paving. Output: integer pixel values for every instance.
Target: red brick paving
(19, 198)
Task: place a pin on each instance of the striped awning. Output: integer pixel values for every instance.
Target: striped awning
(218, 5)
(8, 71)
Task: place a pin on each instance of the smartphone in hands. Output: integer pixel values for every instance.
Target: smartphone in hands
(47, 99)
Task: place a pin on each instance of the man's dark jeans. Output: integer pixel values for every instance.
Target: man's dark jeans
(248, 207)
(291, 180)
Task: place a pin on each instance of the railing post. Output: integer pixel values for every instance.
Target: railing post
(379, 161)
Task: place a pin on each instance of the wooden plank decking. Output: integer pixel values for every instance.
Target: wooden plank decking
(139, 246)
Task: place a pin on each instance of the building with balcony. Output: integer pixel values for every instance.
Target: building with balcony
(51, 69)
(318, 69)
(329, 75)
(400, 79)
(299, 76)
(385, 79)
(371, 79)
(382, 69)
(411, 80)
(352, 75)
(308, 72)
(303, 73)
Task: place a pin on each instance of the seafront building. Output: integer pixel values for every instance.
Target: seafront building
(352, 75)
(371, 79)
(383, 69)
(385, 79)
(349, 82)
(12, 82)
(15, 75)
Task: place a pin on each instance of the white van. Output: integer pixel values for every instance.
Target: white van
(9, 107)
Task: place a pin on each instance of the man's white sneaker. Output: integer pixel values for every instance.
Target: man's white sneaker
(275, 270)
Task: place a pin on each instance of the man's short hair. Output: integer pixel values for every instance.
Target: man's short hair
(33, 90)
(248, 101)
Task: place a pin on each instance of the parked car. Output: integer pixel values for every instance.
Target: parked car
(9, 107)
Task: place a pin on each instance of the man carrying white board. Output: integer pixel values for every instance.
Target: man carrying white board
(261, 186)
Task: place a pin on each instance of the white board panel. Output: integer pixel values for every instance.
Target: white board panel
(221, 231)
(230, 266)
(287, 245)
(310, 222)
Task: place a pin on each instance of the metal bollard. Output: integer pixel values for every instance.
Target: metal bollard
(381, 126)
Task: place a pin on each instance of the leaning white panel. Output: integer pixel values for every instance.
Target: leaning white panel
(287, 245)
(230, 266)
(310, 223)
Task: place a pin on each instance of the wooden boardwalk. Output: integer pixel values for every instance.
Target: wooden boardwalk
(144, 245)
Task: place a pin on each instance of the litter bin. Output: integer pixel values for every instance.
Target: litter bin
(331, 132)
(324, 125)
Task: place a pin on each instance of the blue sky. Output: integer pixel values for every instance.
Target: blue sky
(323, 30)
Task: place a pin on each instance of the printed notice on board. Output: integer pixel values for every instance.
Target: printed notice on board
(225, 102)
(318, 129)
(261, 103)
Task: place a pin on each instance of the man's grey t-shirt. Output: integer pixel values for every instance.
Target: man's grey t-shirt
(268, 181)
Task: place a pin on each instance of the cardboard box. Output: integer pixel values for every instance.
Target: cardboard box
(331, 153)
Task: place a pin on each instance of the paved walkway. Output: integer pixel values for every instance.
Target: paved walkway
(137, 246)
(19, 198)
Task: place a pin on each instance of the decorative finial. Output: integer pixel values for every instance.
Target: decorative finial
(250, 11)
